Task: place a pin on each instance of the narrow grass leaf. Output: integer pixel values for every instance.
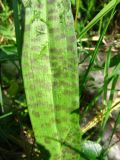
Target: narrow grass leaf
(115, 60)
(5, 115)
(100, 15)
(109, 103)
(17, 27)
(77, 12)
(90, 66)
(106, 73)
(1, 100)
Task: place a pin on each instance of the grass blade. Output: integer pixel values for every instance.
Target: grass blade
(106, 73)
(94, 56)
(1, 97)
(6, 115)
(100, 15)
(1, 100)
(109, 103)
(17, 27)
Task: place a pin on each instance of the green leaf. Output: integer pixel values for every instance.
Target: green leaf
(7, 32)
(17, 27)
(106, 74)
(9, 49)
(1, 100)
(8, 52)
(115, 60)
(5, 115)
(100, 15)
(50, 73)
(13, 89)
(91, 149)
(73, 2)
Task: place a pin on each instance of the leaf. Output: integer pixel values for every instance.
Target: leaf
(100, 15)
(7, 32)
(5, 115)
(95, 52)
(50, 73)
(13, 89)
(106, 74)
(115, 60)
(9, 49)
(1, 99)
(8, 53)
(17, 27)
(91, 149)
(73, 2)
